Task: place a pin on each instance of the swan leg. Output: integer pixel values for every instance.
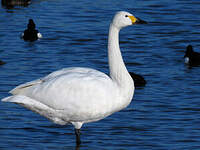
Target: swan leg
(78, 133)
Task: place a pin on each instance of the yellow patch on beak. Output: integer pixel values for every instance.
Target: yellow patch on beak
(133, 19)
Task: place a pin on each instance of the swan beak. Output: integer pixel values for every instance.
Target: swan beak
(137, 20)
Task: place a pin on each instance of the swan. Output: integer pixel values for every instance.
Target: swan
(31, 34)
(192, 58)
(79, 95)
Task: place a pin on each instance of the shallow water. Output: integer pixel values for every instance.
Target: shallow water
(163, 115)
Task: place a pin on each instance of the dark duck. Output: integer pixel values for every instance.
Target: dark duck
(192, 58)
(31, 34)
(12, 3)
(139, 80)
(2, 62)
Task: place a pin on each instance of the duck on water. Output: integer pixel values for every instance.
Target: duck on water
(139, 80)
(12, 3)
(31, 34)
(79, 95)
(192, 58)
(2, 62)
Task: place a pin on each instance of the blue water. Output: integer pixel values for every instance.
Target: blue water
(164, 115)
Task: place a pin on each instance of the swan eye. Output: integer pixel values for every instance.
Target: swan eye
(126, 15)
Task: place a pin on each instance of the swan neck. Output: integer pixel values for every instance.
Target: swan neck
(118, 71)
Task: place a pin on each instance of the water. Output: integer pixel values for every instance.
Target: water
(163, 115)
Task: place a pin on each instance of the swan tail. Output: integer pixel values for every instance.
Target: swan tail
(21, 88)
(37, 107)
(27, 102)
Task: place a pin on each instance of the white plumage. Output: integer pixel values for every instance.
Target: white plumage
(79, 95)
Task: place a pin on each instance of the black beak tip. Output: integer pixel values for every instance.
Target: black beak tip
(140, 21)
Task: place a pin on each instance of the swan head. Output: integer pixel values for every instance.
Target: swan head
(123, 19)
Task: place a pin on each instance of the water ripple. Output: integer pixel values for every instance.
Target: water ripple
(163, 115)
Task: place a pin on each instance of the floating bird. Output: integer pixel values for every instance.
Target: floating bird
(79, 95)
(192, 58)
(12, 3)
(31, 34)
(2, 62)
(138, 79)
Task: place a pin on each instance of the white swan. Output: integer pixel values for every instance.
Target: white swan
(81, 95)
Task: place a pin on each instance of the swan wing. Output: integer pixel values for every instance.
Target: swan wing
(21, 88)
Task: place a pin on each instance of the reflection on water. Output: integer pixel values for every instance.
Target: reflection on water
(163, 114)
